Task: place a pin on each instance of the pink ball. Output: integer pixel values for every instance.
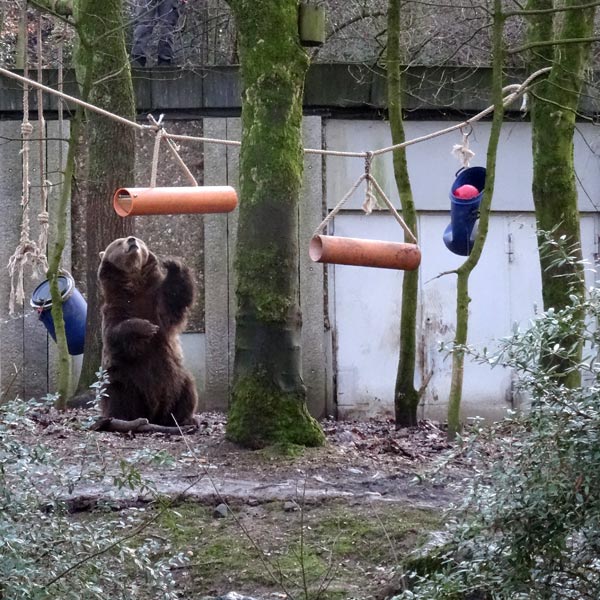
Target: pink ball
(466, 192)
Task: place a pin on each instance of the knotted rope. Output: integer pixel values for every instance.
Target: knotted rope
(159, 133)
(29, 251)
(44, 183)
(370, 201)
(462, 151)
(173, 147)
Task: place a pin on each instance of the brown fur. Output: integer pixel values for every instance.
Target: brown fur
(144, 308)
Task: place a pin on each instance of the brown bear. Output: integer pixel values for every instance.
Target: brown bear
(144, 305)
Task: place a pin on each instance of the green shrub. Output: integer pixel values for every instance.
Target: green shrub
(530, 524)
(45, 552)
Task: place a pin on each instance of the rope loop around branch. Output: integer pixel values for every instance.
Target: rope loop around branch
(159, 134)
(462, 151)
(370, 200)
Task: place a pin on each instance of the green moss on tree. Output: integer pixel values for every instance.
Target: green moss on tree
(262, 277)
(277, 418)
(268, 403)
(554, 107)
(406, 397)
(102, 57)
(464, 271)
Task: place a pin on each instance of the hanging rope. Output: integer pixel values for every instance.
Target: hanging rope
(160, 134)
(462, 151)
(370, 201)
(27, 248)
(44, 183)
(28, 251)
(513, 92)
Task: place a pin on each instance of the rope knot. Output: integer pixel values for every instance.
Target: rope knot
(160, 132)
(368, 161)
(26, 129)
(370, 200)
(43, 218)
(462, 151)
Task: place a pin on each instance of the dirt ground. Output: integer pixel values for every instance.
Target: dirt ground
(364, 485)
(361, 460)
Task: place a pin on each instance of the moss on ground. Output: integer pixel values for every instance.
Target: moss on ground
(328, 551)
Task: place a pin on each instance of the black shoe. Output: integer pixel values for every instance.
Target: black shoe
(138, 61)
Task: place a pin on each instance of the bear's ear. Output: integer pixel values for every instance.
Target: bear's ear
(101, 255)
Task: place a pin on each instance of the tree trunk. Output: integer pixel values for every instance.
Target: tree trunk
(269, 397)
(59, 228)
(21, 41)
(406, 397)
(553, 111)
(111, 149)
(464, 271)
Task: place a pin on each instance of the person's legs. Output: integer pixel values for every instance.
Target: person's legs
(145, 20)
(167, 14)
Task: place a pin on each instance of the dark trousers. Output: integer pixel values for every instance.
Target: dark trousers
(163, 14)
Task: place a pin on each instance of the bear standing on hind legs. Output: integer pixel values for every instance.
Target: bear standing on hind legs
(145, 300)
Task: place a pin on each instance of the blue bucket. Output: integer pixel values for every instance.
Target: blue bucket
(74, 311)
(459, 236)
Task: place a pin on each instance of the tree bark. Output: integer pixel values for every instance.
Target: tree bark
(269, 398)
(406, 396)
(464, 271)
(553, 113)
(111, 149)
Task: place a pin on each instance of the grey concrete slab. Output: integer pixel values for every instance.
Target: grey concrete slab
(217, 289)
(316, 363)
(35, 346)
(11, 328)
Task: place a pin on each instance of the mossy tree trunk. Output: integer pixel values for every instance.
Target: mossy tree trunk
(59, 237)
(553, 109)
(102, 56)
(406, 396)
(464, 271)
(268, 403)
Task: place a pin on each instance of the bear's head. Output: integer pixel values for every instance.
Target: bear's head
(129, 255)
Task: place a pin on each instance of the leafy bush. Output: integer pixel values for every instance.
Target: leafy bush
(47, 552)
(530, 524)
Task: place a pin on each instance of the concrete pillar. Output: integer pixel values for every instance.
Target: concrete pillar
(221, 167)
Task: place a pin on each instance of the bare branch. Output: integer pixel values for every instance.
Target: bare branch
(61, 9)
(137, 426)
(545, 11)
(564, 42)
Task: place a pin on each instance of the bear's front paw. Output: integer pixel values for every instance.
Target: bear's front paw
(143, 327)
(173, 266)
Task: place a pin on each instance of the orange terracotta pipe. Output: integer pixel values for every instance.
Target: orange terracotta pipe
(364, 253)
(129, 202)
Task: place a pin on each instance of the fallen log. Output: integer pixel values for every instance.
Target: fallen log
(139, 426)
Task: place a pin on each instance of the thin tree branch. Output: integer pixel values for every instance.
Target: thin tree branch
(546, 11)
(564, 42)
(61, 9)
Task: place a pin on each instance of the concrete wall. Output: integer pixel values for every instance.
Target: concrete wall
(26, 354)
(351, 314)
(505, 288)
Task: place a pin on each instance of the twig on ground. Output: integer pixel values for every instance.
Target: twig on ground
(138, 426)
